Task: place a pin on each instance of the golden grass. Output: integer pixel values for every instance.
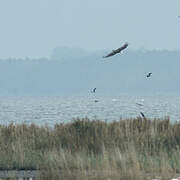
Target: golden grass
(94, 149)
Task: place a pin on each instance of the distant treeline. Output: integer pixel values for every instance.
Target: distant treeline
(72, 71)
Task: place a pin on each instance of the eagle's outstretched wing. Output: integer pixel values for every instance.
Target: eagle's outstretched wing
(110, 54)
(122, 48)
(116, 51)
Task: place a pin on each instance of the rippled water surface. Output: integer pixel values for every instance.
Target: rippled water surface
(51, 110)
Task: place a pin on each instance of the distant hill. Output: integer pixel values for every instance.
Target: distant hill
(75, 72)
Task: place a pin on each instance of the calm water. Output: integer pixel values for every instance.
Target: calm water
(51, 110)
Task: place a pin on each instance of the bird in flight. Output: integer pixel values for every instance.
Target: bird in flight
(149, 74)
(142, 114)
(116, 50)
(139, 104)
(94, 90)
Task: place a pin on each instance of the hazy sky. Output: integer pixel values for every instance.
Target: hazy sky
(33, 28)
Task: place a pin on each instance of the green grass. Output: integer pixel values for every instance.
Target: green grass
(94, 149)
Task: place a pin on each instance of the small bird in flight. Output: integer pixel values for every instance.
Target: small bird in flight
(94, 90)
(142, 114)
(149, 74)
(139, 104)
(116, 50)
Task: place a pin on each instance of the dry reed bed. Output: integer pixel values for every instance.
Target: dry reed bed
(94, 149)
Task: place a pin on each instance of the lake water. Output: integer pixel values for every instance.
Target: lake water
(51, 110)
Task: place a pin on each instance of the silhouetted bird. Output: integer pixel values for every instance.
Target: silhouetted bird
(96, 101)
(116, 50)
(139, 104)
(142, 114)
(94, 90)
(149, 74)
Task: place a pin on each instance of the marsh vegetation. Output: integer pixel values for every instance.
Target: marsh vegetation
(93, 149)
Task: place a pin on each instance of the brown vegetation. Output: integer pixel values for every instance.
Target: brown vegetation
(94, 149)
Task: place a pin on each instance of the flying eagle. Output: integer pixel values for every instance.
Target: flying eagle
(116, 50)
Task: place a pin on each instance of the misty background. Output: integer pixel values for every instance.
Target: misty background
(55, 47)
(73, 71)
